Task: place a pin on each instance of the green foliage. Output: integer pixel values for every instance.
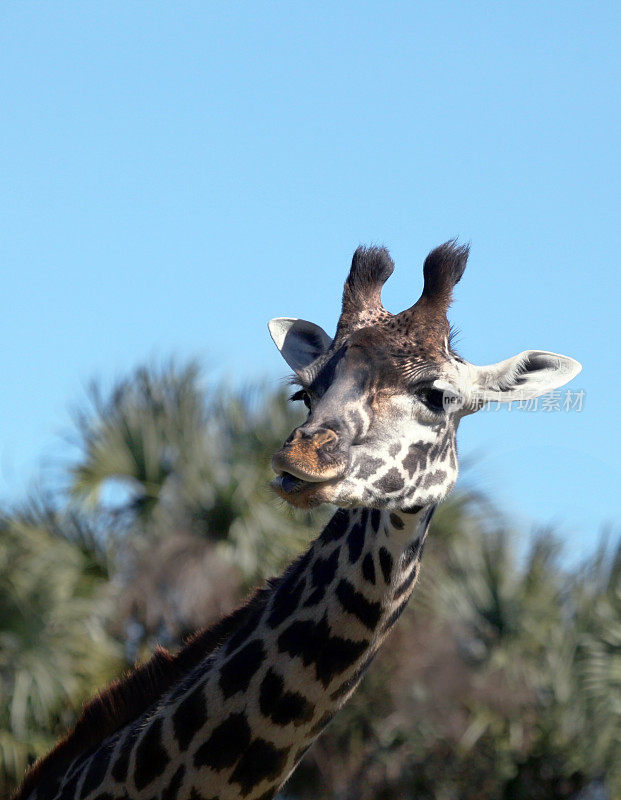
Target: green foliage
(53, 645)
(152, 426)
(178, 454)
(597, 690)
(503, 679)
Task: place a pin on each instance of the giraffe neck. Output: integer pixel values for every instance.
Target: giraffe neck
(237, 725)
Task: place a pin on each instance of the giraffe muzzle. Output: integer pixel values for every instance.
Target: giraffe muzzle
(312, 457)
(307, 465)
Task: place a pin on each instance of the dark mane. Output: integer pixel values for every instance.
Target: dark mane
(135, 692)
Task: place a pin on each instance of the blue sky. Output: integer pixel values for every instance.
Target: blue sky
(176, 174)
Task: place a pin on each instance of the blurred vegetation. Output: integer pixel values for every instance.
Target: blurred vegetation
(502, 680)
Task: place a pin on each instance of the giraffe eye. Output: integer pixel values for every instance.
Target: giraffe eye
(432, 398)
(302, 395)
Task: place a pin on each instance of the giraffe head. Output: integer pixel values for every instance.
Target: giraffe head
(386, 394)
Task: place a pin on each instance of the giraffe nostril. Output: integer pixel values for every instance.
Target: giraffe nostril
(294, 436)
(325, 439)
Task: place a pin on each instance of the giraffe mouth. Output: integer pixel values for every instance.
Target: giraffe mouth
(291, 484)
(301, 492)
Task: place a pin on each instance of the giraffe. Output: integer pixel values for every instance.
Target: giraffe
(232, 713)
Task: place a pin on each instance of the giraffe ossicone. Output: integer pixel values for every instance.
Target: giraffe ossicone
(234, 711)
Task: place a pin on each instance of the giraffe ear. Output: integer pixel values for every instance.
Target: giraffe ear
(300, 342)
(527, 375)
